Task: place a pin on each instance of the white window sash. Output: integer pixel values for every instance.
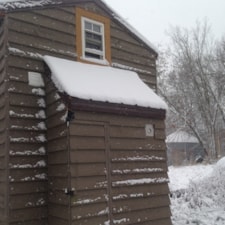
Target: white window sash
(101, 53)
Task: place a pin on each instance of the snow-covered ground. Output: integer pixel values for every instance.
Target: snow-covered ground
(198, 194)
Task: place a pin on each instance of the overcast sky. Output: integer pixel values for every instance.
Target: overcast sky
(153, 17)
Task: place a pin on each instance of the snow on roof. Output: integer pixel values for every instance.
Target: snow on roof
(129, 27)
(102, 83)
(20, 4)
(181, 137)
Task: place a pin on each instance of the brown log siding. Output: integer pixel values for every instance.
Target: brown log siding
(55, 32)
(3, 126)
(58, 176)
(118, 145)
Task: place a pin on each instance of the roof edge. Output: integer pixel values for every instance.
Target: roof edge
(76, 104)
(133, 30)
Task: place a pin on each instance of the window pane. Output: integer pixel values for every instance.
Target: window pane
(92, 55)
(88, 26)
(97, 28)
(93, 36)
(96, 46)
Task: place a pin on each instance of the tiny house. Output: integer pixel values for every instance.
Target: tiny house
(82, 129)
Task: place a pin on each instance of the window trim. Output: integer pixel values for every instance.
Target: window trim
(98, 19)
(101, 53)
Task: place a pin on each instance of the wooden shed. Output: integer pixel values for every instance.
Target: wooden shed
(70, 159)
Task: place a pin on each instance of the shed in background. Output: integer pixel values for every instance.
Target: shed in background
(183, 149)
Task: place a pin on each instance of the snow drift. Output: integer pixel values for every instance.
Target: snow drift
(203, 201)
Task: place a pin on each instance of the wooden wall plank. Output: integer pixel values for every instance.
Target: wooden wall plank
(42, 32)
(94, 220)
(44, 21)
(57, 183)
(140, 203)
(28, 187)
(85, 129)
(33, 222)
(57, 144)
(144, 144)
(87, 156)
(27, 174)
(59, 157)
(59, 211)
(57, 221)
(94, 210)
(26, 63)
(92, 143)
(28, 201)
(3, 126)
(145, 215)
(28, 214)
(87, 183)
(88, 169)
(119, 120)
(90, 195)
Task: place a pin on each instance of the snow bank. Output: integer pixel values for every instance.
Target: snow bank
(202, 200)
(102, 83)
(181, 177)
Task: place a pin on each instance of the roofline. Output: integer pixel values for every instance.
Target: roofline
(76, 104)
(39, 4)
(115, 15)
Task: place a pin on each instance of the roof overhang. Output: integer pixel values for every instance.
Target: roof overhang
(76, 104)
(103, 89)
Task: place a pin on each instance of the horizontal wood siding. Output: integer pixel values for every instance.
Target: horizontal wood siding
(119, 174)
(128, 53)
(88, 146)
(27, 161)
(43, 32)
(3, 126)
(58, 176)
(31, 35)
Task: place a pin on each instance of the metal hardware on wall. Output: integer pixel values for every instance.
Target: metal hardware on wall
(70, 116)
(69, 192)
(149, 130)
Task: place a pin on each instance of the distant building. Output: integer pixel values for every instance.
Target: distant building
(183, 148)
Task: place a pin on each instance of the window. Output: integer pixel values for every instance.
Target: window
(92, 37)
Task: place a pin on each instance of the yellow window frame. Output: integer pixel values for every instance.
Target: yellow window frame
(79, 45)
